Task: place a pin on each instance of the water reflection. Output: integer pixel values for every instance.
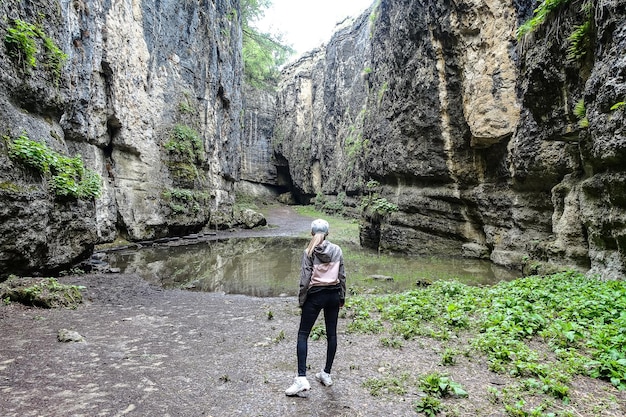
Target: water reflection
(270, 266)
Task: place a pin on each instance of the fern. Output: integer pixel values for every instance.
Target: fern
(580, 39)
(580, 111)
(618, 106)
(541, 13)
(580, 42)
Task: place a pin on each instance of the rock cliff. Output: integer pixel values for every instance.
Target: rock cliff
(464, 140)
(431, 119)
(148, 93)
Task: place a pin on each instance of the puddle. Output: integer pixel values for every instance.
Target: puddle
(270, 266)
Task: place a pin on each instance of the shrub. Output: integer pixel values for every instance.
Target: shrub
(383, 207)
(185, 143)
(21, 40)
(68, 176)
(428, 405)
(440, 385)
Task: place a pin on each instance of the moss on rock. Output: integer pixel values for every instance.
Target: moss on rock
(41, 292)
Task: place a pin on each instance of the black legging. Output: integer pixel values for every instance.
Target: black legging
(329, 301)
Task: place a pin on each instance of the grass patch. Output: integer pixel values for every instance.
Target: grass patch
(388, 385)
(341, 229)
(542, 331)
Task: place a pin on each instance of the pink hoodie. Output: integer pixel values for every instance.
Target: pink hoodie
(324, 268)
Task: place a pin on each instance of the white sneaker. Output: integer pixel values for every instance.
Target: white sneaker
(300, 385)
(324, 378)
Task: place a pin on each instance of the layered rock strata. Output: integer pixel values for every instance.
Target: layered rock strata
(149, 96)
(438, 111)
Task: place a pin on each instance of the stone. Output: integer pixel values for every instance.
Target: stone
(67, 336)
(251, 219)
(377, 277)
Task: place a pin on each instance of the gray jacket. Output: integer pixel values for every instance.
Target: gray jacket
(323, 269)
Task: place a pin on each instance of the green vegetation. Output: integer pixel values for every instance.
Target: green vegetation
(354, 143)
(263, 53)
(185, 106)
(618, 106)
(448, 357)
(42, 292)
(428, 405)
(341, 229)
(391, 342)
(382, 91)
(580, 112)
(67, 177)
(186, 153)
(373, 18)
(185, 201)
(21, 40)
(9, 186)
(185, 150)
(580, 41)
(581, 38)
(541, 331)
(383, 207)
(540, 14)
(280, 337)
(330, 206)
(435, 385)
(318, 332)
(185, 143)
(440, 385)
(394, 385)
(374, 203)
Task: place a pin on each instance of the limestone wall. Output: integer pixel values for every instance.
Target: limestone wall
(470, 133)
(135, 72)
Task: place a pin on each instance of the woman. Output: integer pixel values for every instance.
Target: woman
(322, 286)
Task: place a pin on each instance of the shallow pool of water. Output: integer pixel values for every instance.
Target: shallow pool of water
(270, 266)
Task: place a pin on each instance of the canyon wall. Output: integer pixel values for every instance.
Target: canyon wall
(462, 140)
(149, 96)
(430, 119)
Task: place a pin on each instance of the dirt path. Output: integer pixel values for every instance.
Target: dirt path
(154, 352)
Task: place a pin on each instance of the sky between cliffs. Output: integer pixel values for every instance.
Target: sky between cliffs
(307, 25)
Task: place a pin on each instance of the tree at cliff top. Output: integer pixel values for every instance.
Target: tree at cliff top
(263, 53)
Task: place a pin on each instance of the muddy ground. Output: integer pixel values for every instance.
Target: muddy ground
(154, 352)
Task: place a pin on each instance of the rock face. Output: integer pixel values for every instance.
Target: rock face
(257, 164)
(438, 111)
(149, 96)
(456, 137)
